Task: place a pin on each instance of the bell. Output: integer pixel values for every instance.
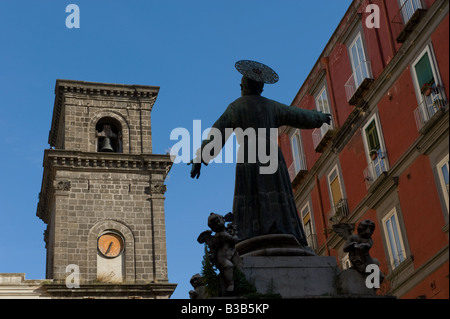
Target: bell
(106, 145)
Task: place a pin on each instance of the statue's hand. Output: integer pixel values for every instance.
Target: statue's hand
(326, 118)
(195, 170)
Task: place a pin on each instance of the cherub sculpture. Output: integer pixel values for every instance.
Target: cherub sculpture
(199, 287)
(358, 245)
(222, 251)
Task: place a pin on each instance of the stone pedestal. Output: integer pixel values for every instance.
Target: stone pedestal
(278, 264)
(292, 276)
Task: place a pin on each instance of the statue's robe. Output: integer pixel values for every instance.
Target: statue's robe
(264, 203)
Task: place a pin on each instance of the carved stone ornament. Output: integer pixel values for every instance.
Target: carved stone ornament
(62, 186)
(157, 189)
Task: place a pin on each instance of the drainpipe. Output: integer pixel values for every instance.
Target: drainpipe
(388, 27)
(322, 214)
(326, 64)
(380, 50)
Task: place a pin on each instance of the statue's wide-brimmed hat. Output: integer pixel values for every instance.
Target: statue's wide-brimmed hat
(257, 71)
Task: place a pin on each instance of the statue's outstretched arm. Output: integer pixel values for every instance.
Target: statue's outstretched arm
(300, 118)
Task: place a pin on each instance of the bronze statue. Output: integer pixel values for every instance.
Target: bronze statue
(358, 245)
(263, 203)
(222, 251)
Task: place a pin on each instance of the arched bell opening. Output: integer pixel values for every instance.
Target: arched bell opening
(109, 135)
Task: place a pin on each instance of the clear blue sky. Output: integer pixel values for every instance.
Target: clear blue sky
(188, 48)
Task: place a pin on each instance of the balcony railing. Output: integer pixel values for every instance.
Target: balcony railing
(407, 17)
(358, 82)
(339, 212)
(432, 102)
(294, 171)
(376, 168)
(321, 136)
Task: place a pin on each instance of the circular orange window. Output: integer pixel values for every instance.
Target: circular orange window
(110, 245)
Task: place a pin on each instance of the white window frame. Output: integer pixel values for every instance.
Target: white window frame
(338, 176)
(400, 256)
(324, 93)
(437, 79)
(443, 187)
(345, 262)
(300, 157)
(307, 207)
(375, 118)
(406, 11)
(353, 62)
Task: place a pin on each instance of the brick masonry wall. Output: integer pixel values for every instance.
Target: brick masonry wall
(99, 201)
(81, 114)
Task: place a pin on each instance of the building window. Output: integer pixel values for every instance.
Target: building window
(346, 263)
(308, 226)
(322, 105)
(361, 77)
(442, 169)
(396, 248)
(408, 7)
(298, 154)
(339, 203)
(358, 58)
(431, 95)
(322, 134)
(375, 151)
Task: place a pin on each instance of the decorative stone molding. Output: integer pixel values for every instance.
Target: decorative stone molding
(62, 185)
(157, 188)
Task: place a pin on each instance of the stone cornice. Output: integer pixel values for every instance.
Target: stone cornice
(106, 89)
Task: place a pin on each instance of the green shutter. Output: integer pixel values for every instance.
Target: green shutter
(424, 71)
(372, 137)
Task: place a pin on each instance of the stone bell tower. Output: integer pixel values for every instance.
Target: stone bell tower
(102, 194)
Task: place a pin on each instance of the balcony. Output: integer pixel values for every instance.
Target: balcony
(321, 136)
(358, 83)
(407, 18)
(339, 212)
(296, 173)
(432, 106)
(378, 167)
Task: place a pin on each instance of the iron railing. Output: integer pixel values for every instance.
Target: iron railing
(363, 71)
(376, 168)
(432, 102)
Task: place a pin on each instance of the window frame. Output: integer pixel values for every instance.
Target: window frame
(379, 132)
(307, 207)
(357, 37)
(442, 186)
(434, 69)
(324, 92)
(393, 213)
(301, 153)
(341, 187)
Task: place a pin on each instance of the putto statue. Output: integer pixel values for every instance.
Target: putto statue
(199, 287)
(221, 246)
(263, 202)
(358, 245)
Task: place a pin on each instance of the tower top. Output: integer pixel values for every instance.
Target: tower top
(90, 95)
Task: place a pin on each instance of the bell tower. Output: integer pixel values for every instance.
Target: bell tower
(102, 194)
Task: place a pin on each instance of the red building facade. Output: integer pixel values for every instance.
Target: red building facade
(384, 76)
